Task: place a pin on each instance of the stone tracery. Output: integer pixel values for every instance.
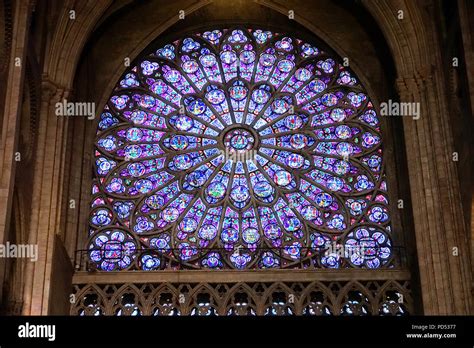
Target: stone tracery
(168, 188)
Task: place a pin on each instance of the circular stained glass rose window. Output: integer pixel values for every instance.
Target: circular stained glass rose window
(239, 148)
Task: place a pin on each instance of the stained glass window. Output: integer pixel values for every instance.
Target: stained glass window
(240, 149)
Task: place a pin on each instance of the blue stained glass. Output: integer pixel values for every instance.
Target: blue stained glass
(228, 141)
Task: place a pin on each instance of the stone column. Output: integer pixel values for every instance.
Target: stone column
(441, 236)
(467, 29)
(11, 118)
(47, 199)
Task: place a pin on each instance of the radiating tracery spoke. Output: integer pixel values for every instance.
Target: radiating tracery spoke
(239, 149)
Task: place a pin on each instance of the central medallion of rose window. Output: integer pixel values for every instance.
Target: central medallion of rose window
(239, 139)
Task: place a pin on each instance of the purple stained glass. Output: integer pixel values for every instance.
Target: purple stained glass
(239, 148)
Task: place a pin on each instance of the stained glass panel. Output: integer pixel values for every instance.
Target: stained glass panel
(242, 149)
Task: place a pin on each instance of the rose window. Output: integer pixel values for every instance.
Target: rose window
(242, 149)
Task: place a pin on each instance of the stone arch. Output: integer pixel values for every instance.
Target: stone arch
(413, 82)
(229, 303)
(158, 303)
(309, 307)
(354, 299)
(203, 299)
(91, 301)
(127, 301)
(113, 74)
(438, 227)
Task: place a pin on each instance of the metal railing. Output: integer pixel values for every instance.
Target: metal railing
(308, 258)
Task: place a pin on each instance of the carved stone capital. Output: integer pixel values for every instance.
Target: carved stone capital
(52, 92)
